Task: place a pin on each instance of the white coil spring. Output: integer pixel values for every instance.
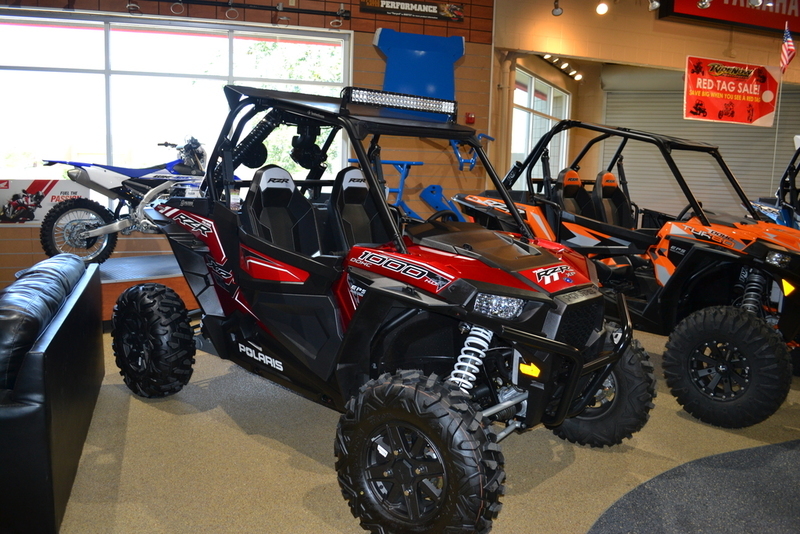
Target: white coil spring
(471, 357)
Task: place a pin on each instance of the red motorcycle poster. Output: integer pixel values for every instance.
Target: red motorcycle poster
(27, 201)
(725, 91)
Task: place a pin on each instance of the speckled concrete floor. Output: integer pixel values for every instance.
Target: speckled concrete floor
(235, 453)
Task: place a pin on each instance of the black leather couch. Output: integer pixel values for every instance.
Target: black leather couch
(51, 368)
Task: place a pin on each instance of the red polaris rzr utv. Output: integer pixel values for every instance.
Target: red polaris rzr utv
(722, 287)
(435, 339)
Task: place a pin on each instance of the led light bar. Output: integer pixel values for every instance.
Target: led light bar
(386, 99)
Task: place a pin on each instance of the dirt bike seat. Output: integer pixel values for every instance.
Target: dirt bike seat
(610, 202)
(571, 195)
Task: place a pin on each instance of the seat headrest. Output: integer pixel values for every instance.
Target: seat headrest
(273, 177)
(569, 181)
(607, 181)
(353, 178)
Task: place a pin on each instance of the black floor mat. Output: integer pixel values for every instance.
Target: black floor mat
(747, 491)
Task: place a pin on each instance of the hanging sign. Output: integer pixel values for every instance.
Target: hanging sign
(423, 10)
(725, 13)
(725, 91)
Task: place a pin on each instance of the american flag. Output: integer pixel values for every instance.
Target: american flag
(787, 49)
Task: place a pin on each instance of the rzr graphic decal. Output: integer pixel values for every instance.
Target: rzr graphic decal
(193, 224)
(399, 265)
(200, 226)
(548, 275)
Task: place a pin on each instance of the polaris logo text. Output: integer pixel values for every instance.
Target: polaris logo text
(260, 357)
(396, 265)
(193, 224)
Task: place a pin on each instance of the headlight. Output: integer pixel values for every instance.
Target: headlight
(778, 259)
(497, 306)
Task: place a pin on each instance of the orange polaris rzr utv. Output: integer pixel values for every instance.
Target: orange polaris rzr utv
(722, 287)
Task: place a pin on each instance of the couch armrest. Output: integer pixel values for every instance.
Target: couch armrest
(46, 417)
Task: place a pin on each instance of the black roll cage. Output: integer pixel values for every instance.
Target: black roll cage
(359, 121)
(664, 143)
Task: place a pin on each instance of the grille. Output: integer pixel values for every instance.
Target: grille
(579, 321)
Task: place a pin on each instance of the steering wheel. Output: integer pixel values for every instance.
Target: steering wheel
(682, 215)
(444, 215)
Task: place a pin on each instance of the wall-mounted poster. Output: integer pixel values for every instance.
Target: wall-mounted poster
(27, 201)
(725, 91)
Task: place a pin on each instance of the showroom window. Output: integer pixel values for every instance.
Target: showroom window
(108, 89)
(537, 107)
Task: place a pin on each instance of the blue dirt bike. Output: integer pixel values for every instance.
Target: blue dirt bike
(86, 228)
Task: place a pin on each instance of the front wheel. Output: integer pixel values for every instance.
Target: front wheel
(413, 456)
(621, 406)
(63, 224)
(152, 340)
(727, 367)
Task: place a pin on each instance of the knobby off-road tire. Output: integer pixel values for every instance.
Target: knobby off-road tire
(413, 457)
(63, 223)
(152, 340)
(622, 406)
(727, 367)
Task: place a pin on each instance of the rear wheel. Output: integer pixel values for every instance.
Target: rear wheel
(63, 224)
(413, 456)
(727, 367)
(152, 340)
(621, 406)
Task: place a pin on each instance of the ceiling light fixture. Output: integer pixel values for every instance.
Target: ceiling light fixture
(654, 4)
(563, 65)
(556, 9)
(704, 4)
(602, 8)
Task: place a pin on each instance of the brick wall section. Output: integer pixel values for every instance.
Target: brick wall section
(475, 28)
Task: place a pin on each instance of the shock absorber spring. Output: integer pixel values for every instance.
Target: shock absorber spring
(754, 291)
(471, 358)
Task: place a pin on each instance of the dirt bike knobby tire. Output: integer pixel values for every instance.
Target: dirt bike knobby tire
(52, 225)
(727, 367)
(413, 456)
(615, 419)
(152, 340)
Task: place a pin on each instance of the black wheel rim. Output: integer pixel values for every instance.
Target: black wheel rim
(134, 349)
(405, 472)
(719, 370)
